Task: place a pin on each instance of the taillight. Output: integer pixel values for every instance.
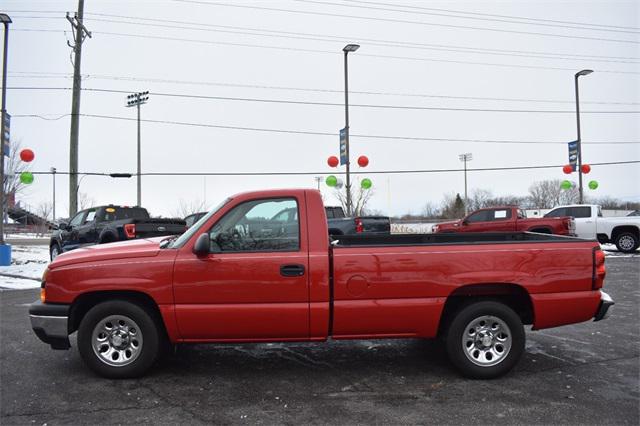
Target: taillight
(359, 227)
(599, 270)
(130, 230)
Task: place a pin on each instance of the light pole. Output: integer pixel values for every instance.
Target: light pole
(4, 18)
(465, 158)
(348, 48)
(580, 189)
(112, 175)
(135, 100)
(53, 174)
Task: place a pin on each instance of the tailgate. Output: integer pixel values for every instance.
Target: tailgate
(158, 228)
(376, 224)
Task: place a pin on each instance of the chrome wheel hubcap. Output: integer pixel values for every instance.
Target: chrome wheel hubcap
(117, 340)
(486, 341)
(626, 242)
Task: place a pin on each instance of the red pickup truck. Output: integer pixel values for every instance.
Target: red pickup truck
(238, 276)
(509, 219)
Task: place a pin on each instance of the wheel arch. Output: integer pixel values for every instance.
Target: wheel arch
(84, 302)
(513, 295)
(617, 230)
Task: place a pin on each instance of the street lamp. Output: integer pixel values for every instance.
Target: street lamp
(465, 158)
(579, 141)
(53, 174)
(348, 48)
(112, 175)
(135, 100)
(5, 253)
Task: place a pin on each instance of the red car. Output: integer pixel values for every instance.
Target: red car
(508, 219)
(238, 275)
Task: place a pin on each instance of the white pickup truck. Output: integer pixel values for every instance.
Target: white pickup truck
(624, 232)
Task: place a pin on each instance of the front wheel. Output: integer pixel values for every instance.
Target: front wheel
(627, 242)
(119, 339)
(54, 251)
(485, 340)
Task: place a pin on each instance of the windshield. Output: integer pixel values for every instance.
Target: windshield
(179, 242)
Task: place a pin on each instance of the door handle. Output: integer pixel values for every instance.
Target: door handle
(292, 270)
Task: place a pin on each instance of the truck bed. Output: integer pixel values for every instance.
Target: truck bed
(446, 239)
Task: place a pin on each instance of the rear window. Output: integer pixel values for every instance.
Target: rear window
(580, 212)
(119, 213)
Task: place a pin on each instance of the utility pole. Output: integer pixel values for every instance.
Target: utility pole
(348, 48)
(580, 188)
(53, 174)
(465, 158)
(5, 251)
(318, 180)
(135, 100)
(78, 37)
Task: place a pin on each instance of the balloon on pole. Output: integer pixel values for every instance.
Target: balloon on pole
(339, 184)
(366, 183)
(331, 181)
(586, 168)
(333, 161)
(27, 155)
(26, 178)
(363, 161)
(565, 184)
(593, 184)
(567, 169)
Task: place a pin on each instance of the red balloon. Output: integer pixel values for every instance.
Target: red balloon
(27, 155)
(568, 169)
(333, 161)
(363, 161)
(586, 168)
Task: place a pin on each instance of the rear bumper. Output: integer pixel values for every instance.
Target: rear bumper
(603, 311)
(50, 323)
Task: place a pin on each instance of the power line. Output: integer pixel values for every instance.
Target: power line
(335, 104)
(333, 38)
(302, 89)
(403, 21)
(317, 133)
(494, 15)
(334, 53)
(327, 37)
(415, 171)
(418, 10)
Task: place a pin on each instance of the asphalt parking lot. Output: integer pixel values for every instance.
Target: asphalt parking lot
(581, 374)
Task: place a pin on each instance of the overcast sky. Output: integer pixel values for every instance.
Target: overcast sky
(425, 56)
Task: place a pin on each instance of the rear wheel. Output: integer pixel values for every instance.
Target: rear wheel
(627, 242)
(485, 340)
(119, 339)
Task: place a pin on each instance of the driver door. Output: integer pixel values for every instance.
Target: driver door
(253, 285)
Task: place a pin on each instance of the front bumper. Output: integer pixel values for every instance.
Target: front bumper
(603, 309)
(50, 323)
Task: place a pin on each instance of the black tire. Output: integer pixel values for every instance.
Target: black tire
(54, 251)
(504, 358)
(107, 238)
(150, 343)
(627, 242)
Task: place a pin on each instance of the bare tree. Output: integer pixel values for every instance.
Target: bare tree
(359, 199)
(186, 208)
(12, 184)
(547, 194)
(479, 199)
(430, 210)
(85, 201)
(452, 206)
(45, 211)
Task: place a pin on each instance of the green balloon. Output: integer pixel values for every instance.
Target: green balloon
(366, 183)
(565, 184)
(26, 178)
(331, 181)
(593, 184)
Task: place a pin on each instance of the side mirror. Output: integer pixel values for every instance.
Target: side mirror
(64, 226)
(465, 222)
(202, 245)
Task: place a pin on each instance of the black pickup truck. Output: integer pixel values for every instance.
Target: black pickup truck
(339, 224)
(108, 224)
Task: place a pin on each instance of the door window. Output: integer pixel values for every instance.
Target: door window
(562, 211)
(91, 215)
(258, 225)
(77, 219)
(481, 216)
(501, 214)
(580, 212)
